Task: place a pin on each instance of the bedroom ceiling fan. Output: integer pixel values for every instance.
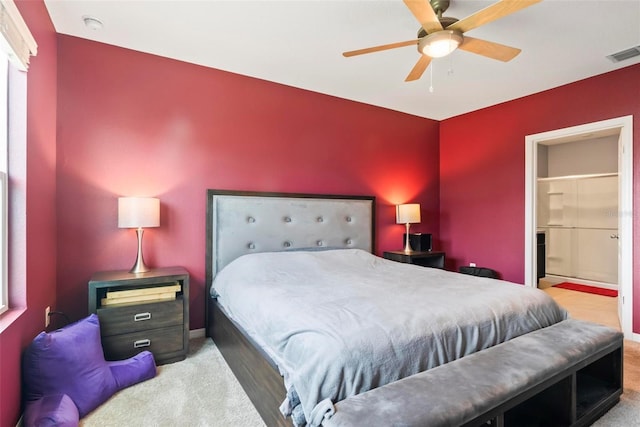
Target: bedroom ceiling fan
(439, 35)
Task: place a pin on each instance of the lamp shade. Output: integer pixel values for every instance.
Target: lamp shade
(138, 212)
(408, 213)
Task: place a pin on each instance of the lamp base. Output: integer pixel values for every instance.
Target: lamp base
(139, 266)
(407, 245)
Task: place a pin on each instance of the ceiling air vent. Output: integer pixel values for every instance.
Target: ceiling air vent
(624, 54)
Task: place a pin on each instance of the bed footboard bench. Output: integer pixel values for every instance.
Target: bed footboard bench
(568, 374)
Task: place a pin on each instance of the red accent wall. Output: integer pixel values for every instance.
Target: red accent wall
(482, 162)
(136, 124)
(33, 186)
(105, 122)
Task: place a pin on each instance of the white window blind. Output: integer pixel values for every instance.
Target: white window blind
(16, 39)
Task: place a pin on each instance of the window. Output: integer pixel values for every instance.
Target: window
(17, 45)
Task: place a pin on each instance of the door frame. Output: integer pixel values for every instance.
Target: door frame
(625, 209)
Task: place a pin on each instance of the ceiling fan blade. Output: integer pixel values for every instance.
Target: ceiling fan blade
(496, 11)
(379, 48)
(489, 49)
(419, 68)
(425, 15)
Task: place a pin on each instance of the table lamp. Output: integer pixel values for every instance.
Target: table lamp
(408, 214)
(138, 213)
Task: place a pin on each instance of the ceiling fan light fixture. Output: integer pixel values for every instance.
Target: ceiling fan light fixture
(440, 43)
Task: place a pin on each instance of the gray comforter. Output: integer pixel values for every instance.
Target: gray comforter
(340, 322)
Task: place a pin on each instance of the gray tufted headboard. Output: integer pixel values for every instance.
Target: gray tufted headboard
(239, 223)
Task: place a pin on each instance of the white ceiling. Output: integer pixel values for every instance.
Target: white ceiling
(299, 43)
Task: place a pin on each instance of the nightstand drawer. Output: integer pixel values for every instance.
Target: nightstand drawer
(157, 341)
(132, 318)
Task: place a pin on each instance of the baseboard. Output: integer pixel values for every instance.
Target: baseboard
(196, 333)
(635, 337)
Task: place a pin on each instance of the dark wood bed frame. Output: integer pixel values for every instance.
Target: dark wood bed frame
(260, 380)
(262, 383)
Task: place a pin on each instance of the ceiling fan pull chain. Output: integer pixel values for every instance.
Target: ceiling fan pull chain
(450, 70)
(431, 77)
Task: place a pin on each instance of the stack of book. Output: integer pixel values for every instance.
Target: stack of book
(137, 296)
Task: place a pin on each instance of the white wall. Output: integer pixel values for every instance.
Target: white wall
(580, 157)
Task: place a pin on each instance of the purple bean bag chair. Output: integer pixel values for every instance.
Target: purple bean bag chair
(65, 375)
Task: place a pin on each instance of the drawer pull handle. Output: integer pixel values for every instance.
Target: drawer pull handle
(142, 343)
(141, 316)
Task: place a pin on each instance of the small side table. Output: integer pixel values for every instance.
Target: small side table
(126, 329)
(433, 259)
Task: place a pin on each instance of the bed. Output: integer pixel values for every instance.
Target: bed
(270, 255)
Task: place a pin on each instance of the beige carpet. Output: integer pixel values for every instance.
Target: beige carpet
(199, 391)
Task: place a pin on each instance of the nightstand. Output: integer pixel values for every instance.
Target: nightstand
(142, 319)
(426, 259)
